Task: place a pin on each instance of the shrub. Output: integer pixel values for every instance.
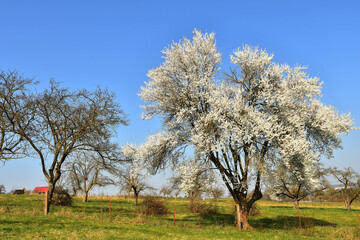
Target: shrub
(153, 206)
(198, 207)
(61, 197)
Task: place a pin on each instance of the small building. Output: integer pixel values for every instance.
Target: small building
(40, 190)
(19, 191)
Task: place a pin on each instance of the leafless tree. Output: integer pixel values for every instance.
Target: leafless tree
(85, 171)
(13, 88)
(350, 181)
(285, 184)
(166, 190)
(216, 192)
(132, 177)
(174, 184)
(134, 184)
(57, 122)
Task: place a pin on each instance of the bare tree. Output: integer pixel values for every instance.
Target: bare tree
(216, 192)
(284, 183)
(132, 180)
(174, 184)
(350, 181)
(69, 182)
(57, 122)
(13, 88)
(166, 191)
(85, 171)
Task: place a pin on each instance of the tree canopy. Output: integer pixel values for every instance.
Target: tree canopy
(13, 89)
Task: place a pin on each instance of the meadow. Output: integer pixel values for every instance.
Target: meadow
(21, 217)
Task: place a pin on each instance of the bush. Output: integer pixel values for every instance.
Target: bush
(198, 207)
(154, 206)
(61, 197)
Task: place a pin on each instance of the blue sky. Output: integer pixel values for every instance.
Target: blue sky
(114, 43)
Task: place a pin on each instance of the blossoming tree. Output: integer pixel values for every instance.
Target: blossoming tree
(239, 120)
(195, 178)
(133, 175)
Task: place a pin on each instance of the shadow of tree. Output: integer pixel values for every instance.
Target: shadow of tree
(102, 210)
(218, 219)
(280, 222)
(287, 222)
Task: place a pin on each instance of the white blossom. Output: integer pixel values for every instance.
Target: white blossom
(240, 121)
(194, 174)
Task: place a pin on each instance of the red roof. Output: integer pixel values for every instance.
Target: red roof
(40, 189)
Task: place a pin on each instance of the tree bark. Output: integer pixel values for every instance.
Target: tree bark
(296, 204)
(348, 205)
(237, 216)
(136, 198)
(191, 197)
(74, 192)
(241, 217)
(85, 197)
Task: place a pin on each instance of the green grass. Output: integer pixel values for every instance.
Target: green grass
(21, 218)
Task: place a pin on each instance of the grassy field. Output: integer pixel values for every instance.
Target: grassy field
(21, 218)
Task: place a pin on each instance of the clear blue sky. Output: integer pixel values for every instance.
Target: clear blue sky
(114, 43)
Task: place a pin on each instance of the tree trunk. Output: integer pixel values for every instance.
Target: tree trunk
(241, 217)
(85, 197)
(191, 197)
(348, 205)
(74, 192)
(136, 198)
(296, 204)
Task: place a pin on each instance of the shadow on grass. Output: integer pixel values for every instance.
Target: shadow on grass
(288, 222)
(280, 222)
(102, 210)
(218, 219)
(320, 211)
